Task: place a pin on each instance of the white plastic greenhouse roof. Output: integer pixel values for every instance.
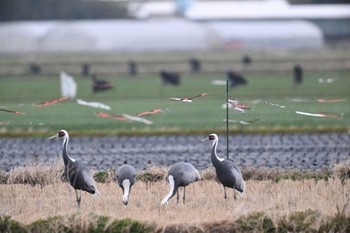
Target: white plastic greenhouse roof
(155, 35)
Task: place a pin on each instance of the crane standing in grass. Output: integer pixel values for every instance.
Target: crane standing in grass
(78, 175)
(229, 175)
(126, 177)
(180, 175)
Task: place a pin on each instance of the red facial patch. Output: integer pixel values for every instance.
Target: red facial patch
(61, 134)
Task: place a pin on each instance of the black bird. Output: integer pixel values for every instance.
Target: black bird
(228, 174)
(171, 78)
(100, 85)
(236, 79)
(126, 178)
(180, 175)
(78, 175)
(298, 74)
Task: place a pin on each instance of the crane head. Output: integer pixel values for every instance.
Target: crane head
(62, 133)
(213, 136)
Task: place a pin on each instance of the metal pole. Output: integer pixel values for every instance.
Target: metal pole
(227, 133)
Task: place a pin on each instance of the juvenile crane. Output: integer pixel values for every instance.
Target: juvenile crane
(78, 175)
(229, 175)
(126, 177)
(180, 175)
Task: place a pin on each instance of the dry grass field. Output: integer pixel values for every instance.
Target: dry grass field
(205, 203)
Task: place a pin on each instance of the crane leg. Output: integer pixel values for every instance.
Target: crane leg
(184, 197)
(225, 195)
(78, 197)
(177, 197)
(234, 194)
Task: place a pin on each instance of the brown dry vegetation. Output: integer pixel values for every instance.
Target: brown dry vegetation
(205, 202)
(37, 192)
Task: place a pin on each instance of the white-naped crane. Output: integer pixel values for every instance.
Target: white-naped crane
(180, 175)
(78, 175)
(227, 172)
(126, 178)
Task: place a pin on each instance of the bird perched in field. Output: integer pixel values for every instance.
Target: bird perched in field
(171, 78)
(100, 85)
(228, 174)
(78, 175)
(236, 79)
(180, 175)
(126, 178)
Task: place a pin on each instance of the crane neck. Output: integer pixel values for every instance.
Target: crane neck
(173, 189)
(214, 157)
(126, 190)
(66, 157)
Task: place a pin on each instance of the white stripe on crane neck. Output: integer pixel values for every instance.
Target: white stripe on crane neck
(172, 186)
(126, 186)
(215, 145)
(65, 140)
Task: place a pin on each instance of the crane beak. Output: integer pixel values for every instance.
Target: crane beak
(53, 136)
(205, 139)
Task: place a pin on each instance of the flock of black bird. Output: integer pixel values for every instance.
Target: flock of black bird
(169, 78)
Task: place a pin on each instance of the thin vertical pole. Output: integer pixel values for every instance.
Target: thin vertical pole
(227, 133)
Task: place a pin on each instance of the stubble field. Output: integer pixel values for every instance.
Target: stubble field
(308, 203)
(204, 201)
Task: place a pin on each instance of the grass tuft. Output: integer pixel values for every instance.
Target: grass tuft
(51, 224)
(277, 174)
(129, 225)
(100, 225)
(299, 222)
(259, 174)
(208, 174)
(183, 228)
(304, 175)
(4, 177)
(342, 171)
(257, 222)
(39, 174)
(339, 223)
(11, 226)
(107, 176)
(153, 174)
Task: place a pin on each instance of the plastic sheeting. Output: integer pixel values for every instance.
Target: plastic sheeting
(155, 35)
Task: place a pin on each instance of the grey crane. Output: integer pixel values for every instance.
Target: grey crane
(227, 172)
(180, 175)
(126, 178)
(78, 175)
